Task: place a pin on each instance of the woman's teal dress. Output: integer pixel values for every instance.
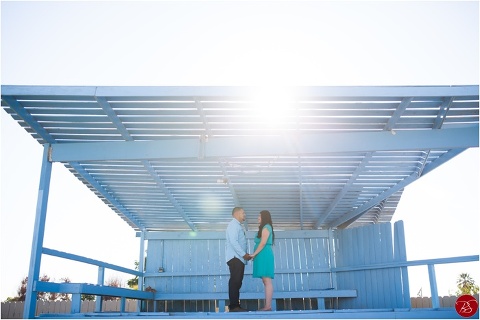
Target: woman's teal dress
(263, 264)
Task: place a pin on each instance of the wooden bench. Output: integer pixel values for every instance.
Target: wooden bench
(221, 297)
(77, 289)
(189, 272)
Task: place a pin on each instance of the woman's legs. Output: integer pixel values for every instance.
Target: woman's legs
(267, 283)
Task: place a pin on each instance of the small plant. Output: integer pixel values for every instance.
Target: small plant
(150, 289)
(466, 285)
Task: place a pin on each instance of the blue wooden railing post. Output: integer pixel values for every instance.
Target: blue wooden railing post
(433, 286)
(38, 235)
(76, 305)
(100, 280)
(400, 255)
(141, 268)
(331, 259)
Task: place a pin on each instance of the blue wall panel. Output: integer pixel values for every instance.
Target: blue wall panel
(364, 246)
(197, 264)
(303, 261)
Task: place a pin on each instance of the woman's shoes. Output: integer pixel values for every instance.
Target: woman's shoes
(265, 309)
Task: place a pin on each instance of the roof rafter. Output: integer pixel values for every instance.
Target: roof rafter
(374, 201)
(123, 130)
(87, 177)
(388, 127)
(27, 117)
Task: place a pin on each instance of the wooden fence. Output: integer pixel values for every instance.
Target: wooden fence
(426, 302)
(14, 310)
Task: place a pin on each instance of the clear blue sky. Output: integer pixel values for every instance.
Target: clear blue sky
(229, 43)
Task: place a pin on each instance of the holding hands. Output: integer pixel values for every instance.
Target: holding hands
(247, 257)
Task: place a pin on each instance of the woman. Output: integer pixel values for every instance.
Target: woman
(263, 263)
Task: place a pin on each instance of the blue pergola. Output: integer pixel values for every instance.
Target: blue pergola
(180, 158)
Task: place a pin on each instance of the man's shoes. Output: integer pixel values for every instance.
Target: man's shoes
(238, 309)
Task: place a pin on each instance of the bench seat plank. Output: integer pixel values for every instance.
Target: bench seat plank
(257, 295)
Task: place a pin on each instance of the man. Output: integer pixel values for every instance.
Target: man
(236, 256)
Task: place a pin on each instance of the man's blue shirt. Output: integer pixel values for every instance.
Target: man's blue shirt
(236, 244)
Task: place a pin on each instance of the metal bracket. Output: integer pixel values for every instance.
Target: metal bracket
(201, 151)
(49, 154)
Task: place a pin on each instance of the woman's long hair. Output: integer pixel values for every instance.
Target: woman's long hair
(265, 218)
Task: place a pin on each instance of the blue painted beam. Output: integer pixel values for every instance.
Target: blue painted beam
(51, 91)
(168, 194)
(114, 118)
(141, 266)
(443, 159)
(94, 262)
(398, 113)
(433, 286)
(388, 127)
(85, 288)
(100, 281)
(400, 254)
(85, 175)
(38, 235)
(349, 218)
(443, 113)
(277, 145)
(222, 92)
(126, 135)
(411, 263)
(27, 117)
(344, 190)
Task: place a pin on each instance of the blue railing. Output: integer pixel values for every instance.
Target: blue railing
(428, 262)
(101, 268)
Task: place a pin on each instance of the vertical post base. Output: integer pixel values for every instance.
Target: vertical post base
(321, 303)
(221, 305)
(76, 303)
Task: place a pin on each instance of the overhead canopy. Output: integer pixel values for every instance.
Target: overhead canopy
(180, 158)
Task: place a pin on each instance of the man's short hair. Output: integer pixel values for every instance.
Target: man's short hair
(236, 209)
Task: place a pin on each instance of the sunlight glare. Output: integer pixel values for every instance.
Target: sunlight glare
(273, 106)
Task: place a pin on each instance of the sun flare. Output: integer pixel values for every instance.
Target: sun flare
(273, 106)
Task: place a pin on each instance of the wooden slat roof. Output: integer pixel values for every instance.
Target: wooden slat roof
(180, 158)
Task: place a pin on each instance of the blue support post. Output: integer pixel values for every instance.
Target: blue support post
(331, 258)
(433, 286)
(221, 305)
(76, 303)
(122, 304)
(321, 303)
(400, 254)
(141, 269)
(38, 235)
(100, 280)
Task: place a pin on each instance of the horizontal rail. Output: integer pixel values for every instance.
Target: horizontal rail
(412, 263)
(324, 270)
(220, 235)
(92, 289)
(78, 258)
(226, 273)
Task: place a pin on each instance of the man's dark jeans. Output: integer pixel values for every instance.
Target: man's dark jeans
(237, 269)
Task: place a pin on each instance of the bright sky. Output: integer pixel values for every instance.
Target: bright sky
(229, 43)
